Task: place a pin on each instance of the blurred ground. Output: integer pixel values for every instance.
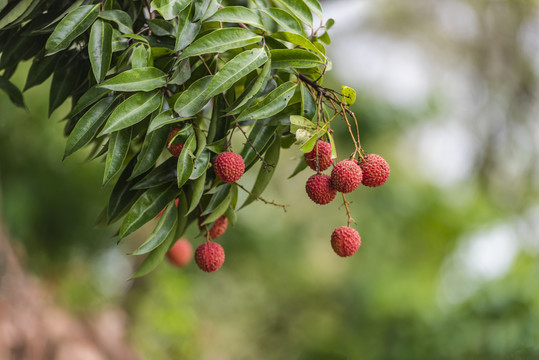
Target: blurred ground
(448, 267)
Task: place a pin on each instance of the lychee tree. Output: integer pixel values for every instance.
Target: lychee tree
(160, 89)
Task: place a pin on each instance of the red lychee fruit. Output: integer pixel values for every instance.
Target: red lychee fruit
(345, 241)
(218, 228)
(162, 211)
(375, 170)
(180, 253)
(210, 256)
(174, 148)
(346, 176)
(319, 189)
(323, 149)
(229, 166)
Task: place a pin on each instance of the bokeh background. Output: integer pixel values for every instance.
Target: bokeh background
(448, 267)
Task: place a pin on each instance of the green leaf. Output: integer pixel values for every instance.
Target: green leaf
(100, 49)
(325, 38)
(164, 118)
(118, 148)
(238, 14)
(300, 40)
(164, 173)
(182, 73)
(187, 30)
(88, 125)
(122, 196)
(185, 161)
(136, 37)
(201, 164)
(299, 122)
(266, 173)
(169, 9)
(293, 58)
(139, 79)
(197, 191)
(253, 91)
(259, 137)
(119, 43)
(182, 216)
(42, 67)
(308, 104)
(300, 10)
(315, 7)
(166, 226)
(88, 98)
(272, 104)
(231, 216)
(220, 41)
(17, 12)
(302, 165)
(155, 257)
(160, 27)
(192, 100)
(132, 111)
(284, 20)
(73, 25)
(235, 69)
(148, 205)
(141, 57)
(221, 196)
(333, 147)
(349, 95)
(200, 8)
(120, 18)
(309, 144)
(64, 81)
(13, 92)
(152, 147)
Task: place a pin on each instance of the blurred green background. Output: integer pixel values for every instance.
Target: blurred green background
(448, 267)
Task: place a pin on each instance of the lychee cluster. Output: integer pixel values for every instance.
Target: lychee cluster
(346, 176)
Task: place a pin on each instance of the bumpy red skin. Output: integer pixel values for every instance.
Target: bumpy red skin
(345, 241)
(324, 156)
(210, 256)
(229, 167)
(346, 176)
(174, 149)
(219, 226)
(375, 170)
(319, 189)
(162, 211)
(181, 253)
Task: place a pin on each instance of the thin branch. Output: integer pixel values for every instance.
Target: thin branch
(346, 203)
(262, 199)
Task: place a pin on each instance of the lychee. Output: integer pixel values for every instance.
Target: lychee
(375, 170)
(174, 148)
(180, 253)
(229, 166)
(162, 211)
(218, 228)
(319, 189)
(346, 176)
(323, 150)
(345, 241)
(210, 256)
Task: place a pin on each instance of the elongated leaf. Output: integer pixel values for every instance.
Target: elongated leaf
(201, 164)
(259, 137)
(272, 104)
(42, 67)
(302, 165)
(253, 91)
(141, 57)
(88, 125)
(73, 25)
(169, 9)
(164, 118)
(235, 69)
(197, 189)
(88, 98)
(160, 27)
(218, 198)
(132, 111)
(293, 58)
(182, 73)
(185, 161)
(139, 79)
(284, 19)
(308, 104)
(298, 40)
(100, 49)
(17, 12)
(315, 7)
(265, 174)
(155, 257)
(238, 14)
(147, 207)
(300, 10)
(164, 173)
(193, 99)
(299, 122)
(166, 226)
(220, 41)
(152, 147)
(187, 30)
(120, 18)
(64, 82)
(118, 148)
(13, 92)
(200, 8)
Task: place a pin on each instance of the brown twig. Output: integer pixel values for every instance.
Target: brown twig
(262, 199)
(346, 203)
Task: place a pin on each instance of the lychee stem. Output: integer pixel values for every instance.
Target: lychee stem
(262, 199)
(346, 203)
